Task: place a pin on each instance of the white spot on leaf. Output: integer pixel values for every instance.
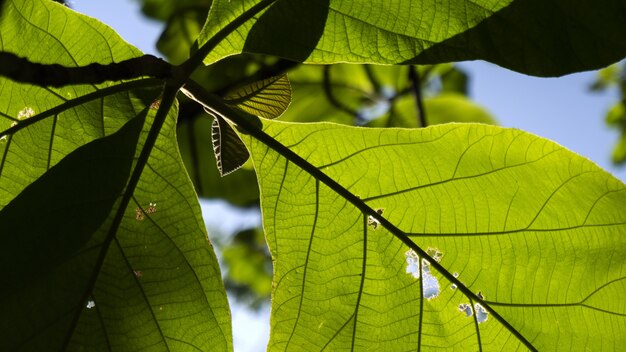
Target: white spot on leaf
(430, 284)
(435, 253)
(371, 221)
(3, 139)
(412, 260)
(467, 309)
(25, 113)
(481, 313)
(90, 304)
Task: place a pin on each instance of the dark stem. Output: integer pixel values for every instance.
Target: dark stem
(23, 70)
(142, 83)
(215, 104)
(416, 87)
(196, 59)
(167, 100)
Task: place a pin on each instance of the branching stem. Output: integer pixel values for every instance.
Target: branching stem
(196, 59)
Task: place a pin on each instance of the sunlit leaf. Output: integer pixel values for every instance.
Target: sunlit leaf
(539, 37)
(533, 230)
(194, 137)
(151, 280)
(58, 200)
(230, 152)
(82, 269)
(84, 112)
(268, 98)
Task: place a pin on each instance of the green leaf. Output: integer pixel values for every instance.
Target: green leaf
(616, 116)
(92, 259)
(194, 138)
(535, 234)
(56, 198)
(268, 98)
(230, 152)
(166, 9)
(454, 80)
(79, 114)
(557, 36)
(607, 77)
(149, 282)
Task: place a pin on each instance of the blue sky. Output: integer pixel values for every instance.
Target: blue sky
(561, 109)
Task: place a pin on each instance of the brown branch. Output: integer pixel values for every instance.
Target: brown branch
(54, 75)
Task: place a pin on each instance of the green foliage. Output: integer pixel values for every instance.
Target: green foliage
(249, 269)
(497, 203)
(455, 236)
(538, 37)
(614, 76)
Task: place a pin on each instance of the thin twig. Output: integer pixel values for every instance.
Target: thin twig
(414, 78)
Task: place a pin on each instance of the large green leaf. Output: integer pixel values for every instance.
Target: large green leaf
(150, 281)
(103, 244)
(535, 233)
(45, 32)
(537, 37)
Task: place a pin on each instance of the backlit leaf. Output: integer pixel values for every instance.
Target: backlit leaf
(194, 139)
(83, 112)
(230, 152)
(533, 230)
(268, 98)
(538, 37)
(82, 269)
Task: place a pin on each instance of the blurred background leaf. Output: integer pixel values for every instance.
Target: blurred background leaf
(613, 78)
